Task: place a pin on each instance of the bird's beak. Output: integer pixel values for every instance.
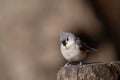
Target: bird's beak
(64, 43)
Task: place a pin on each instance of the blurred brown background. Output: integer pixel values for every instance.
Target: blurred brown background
(29, 34)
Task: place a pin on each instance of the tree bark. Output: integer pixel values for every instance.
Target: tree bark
(94, 71)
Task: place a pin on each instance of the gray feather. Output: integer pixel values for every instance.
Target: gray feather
(65, 35)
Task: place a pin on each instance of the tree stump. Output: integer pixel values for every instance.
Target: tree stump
(94, 71)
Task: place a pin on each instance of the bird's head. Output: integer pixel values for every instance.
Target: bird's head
(67, 39)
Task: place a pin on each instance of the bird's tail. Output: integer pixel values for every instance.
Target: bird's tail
(91, 50)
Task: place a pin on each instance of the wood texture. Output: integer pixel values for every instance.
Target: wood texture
(94, 71)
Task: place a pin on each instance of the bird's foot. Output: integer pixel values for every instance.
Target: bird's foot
(67, 64)
(80, 63)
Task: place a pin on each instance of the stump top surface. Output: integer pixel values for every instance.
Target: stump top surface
(96, 64)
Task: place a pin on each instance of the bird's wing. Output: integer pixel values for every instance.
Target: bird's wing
(85, 47)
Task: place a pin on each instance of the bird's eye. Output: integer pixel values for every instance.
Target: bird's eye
(67, 39)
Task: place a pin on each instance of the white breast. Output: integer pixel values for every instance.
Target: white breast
(72, 53)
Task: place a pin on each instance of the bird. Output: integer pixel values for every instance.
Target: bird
(73, 49)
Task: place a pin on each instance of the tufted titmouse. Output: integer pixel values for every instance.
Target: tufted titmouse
(72, 48)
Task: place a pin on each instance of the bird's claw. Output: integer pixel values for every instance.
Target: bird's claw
(67, 64)
(80, 63)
